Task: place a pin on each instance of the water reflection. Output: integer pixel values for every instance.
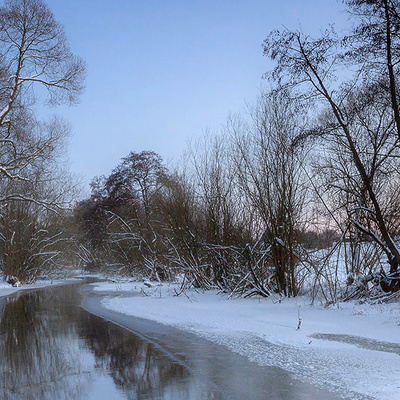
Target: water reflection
(36, 360)
(136, 366)
(51, 349)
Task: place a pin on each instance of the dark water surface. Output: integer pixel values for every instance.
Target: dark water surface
(51, 349)
(362, 342)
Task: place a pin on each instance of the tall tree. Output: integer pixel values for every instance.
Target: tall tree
(269, 176)
(36, 63)
(34, 54)
(313, 67)
(375, 45)
(120, 221)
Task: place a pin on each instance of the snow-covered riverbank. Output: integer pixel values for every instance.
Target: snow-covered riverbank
(352, 349)
(6, 289)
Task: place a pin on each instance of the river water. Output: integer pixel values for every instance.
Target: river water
(51, 349)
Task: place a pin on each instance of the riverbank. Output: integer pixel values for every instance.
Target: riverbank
(6, 289)
(351, 349)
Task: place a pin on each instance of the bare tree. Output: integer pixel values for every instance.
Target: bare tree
(121, 221)
(309, 65)
(375, 45)
(34, 54)
(269, 175)
(35, 59)
(213, 174)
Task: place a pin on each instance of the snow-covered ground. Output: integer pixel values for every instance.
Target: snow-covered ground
(6, 289)
(352, 349)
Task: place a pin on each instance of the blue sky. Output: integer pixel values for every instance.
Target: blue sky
(161, 72)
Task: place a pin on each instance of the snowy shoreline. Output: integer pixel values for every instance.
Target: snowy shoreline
(6, 289)
(352, 349)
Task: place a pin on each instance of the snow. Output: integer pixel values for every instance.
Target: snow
(362, 361)
(6, 289)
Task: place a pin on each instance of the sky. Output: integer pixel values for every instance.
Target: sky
(162, 72)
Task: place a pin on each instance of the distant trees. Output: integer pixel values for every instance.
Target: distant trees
(120, 220)
(314, 164)
(232, 220)
(35, 60)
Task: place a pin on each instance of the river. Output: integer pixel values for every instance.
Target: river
(52, 348)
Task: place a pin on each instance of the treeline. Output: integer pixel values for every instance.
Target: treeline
(317, 156)
(248, 211)
(231, 218)
(298, 193)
